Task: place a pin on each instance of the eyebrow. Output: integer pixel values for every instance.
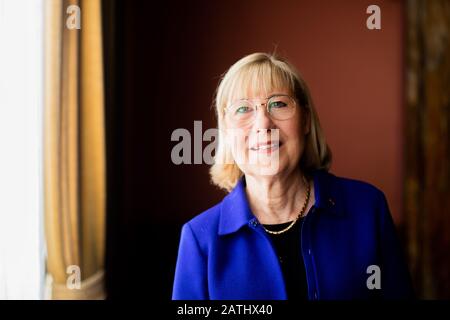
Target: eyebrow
(271, 96)
(276, 94)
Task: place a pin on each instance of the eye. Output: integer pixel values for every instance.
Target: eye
(242, 109)
(277, 104)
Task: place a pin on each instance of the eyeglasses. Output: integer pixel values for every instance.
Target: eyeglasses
(243, 112)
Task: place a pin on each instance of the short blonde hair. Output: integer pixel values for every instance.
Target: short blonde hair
(261, 71)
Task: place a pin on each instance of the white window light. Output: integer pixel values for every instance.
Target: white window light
(22, 249)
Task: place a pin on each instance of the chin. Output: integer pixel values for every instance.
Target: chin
(267, 170)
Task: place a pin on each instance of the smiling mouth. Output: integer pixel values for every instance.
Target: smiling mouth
(266, 146)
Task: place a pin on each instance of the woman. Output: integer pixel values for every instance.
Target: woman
(288, 229)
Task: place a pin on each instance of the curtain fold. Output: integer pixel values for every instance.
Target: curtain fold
(74, 150)
(427, 170)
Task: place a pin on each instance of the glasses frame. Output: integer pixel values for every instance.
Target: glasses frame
(266, 104)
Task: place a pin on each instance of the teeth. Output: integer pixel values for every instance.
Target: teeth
(265, 147)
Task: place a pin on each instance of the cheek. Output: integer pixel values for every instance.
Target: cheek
(237, 141)
(291, 131)
(293, 138)
(242, 144)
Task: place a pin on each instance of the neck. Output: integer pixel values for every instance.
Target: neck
(277, 199)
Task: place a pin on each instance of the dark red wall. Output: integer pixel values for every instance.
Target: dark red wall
(167, 63)
(355, 75)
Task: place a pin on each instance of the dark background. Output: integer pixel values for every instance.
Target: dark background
(163, 62)
(152, 76)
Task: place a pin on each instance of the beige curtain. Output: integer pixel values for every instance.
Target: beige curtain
(74, 151)
(427, 167)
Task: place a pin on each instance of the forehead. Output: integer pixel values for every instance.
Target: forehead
(259, 85)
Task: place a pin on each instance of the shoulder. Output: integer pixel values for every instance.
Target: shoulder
(358, 187)
(206, 220)
(350, 195)
(352, 187)
(204, 226)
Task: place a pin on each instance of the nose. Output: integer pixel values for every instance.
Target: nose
(263, 122)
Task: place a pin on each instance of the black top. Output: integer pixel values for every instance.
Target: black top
(287, 246)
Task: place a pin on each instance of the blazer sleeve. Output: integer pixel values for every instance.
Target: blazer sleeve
(395, 278)
(190, 281)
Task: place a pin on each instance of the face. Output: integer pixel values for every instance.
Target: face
(268, 143)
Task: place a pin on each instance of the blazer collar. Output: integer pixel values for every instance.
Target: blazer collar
(235, 211)
(327, 192)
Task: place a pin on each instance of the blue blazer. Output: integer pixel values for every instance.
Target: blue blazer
(225, 254)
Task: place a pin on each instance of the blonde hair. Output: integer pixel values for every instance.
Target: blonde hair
(261, 71)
